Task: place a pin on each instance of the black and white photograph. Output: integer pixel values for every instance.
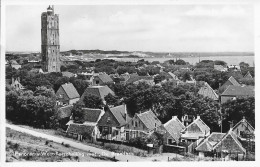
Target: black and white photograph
(128, 82)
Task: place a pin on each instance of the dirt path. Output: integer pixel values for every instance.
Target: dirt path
(81, 146)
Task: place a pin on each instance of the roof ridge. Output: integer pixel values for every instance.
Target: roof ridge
(226, 89)
(66, 106)
(92, 108)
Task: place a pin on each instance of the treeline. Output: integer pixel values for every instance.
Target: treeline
(35, 109)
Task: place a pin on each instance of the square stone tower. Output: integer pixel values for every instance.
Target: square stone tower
(50, 41)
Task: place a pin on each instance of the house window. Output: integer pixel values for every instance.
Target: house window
(97, 82)
(132, 123)
(136, 124)
(108, 119)
(169, 141)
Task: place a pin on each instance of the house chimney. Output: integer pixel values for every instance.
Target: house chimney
(244, 118)
(12, 80)
(198, 117)
(174, 117)
(18, 79)
(231, 125)
(125, 111)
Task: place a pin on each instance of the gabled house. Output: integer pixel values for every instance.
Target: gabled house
(173, 129)
(230, 81)
(99, 91)
(87, 127)
(243, 128)
(205, 148)
(248, 75)
(142, 125)
(111, 125)
(67, 94)
(233, 92)
(207, 91)
(135, 78)
(173, 76)
(102, 79)
(229, 146)
(195, 131)
(82, 132)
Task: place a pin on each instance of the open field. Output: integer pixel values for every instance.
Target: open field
(24, 147)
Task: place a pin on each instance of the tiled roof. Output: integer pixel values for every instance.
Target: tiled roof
(80, 129)
(248, 75)
(174, 127)
(239, 91)
(119, 113)
(207, 91)
(70, 90)
(105, 78)
(64, 112)
(67, 74)
(208, 144)
(192, 135)
(241, 122)
(99, 91)
(149, 82)
(149, 119)
(134, 77)
(230, 146)
(173, 76)
(233, 81)
(92, 115)
(191, 129)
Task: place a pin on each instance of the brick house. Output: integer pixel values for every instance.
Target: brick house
(99, 91)
(102, 79)
(231, 81)
(195, 131)
(67, 94)
(87, 128)
(142, 125)
(173, 128)
(242, 128)
(207, 91)
(111, 125)
(232, 92)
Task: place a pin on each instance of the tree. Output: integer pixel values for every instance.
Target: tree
(111, 100)
(180, 62)
(234, 110)
(43, 91)
(80, 85)
(77, 112)
(220, 62)
(92, 101)
(186, 76)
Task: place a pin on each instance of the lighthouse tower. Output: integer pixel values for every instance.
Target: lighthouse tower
(50, 47)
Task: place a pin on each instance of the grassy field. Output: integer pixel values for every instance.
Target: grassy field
(24, 147)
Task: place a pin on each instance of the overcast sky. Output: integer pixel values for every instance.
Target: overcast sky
(172, 28)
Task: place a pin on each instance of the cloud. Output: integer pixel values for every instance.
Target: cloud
(226, 11)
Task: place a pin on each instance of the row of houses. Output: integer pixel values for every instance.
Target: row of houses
(114, 123)
(230, 90)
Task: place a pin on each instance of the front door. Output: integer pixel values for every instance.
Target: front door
(127, 135)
